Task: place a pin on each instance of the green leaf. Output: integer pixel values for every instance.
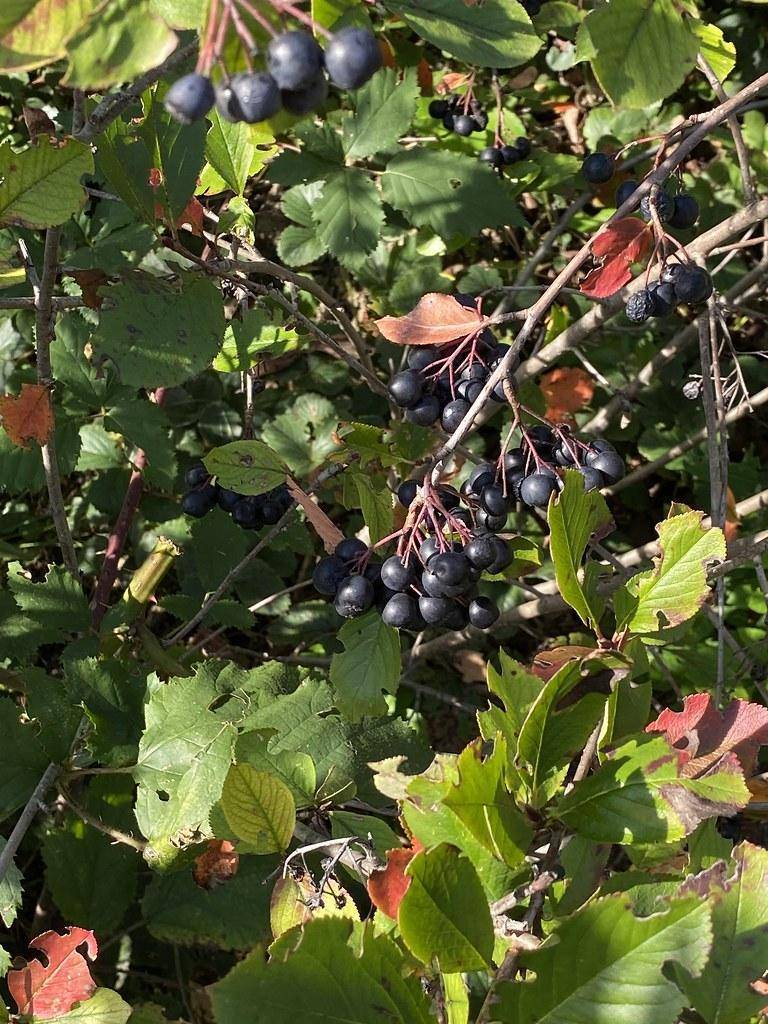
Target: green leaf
(450, 192)
(549, 738)
(10, 892)
(231, 916)
(496, 34)
(39, 31)
(249, 467)
(294, 768)
(715, 49)
(624, 41)
(639, 796)
(56, 603)
(676, 587)
(369, 666)
(517, 690)
(247, 341)
(146, 425)
(604, 965)
(303, 434)
(22, 759)
(104, 1007)
(259, 809)
(184, 756)
(375, 502)
(41, 186)
(158, 334)
(384, 108)
(349, 216)
(738, 894)
(444, 915)
(123, 41)
(351, 974)
(574, 516)
(237, 150)
(111, 693)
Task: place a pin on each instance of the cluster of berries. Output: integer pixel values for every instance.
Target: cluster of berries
(431, 581)
(250, 511)
(680, 211)
(499, 156)
(678, 282)
(295, 79)
(442, 381)
(460, 114)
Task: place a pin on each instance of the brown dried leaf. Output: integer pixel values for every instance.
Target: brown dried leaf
(388, 886)
(90, 281)
(217, 865)
(327, 531)
(28, 416)
(435, 320)
(566, 390)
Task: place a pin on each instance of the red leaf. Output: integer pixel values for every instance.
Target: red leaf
(619, 246)
(217, 865)
(28, 416)
(703, 735)
(50, 987)
(388, 886)
(434, 320)
(326, 530)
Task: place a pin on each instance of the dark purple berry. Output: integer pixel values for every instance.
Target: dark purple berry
(352, 57)
(294, 60)
(425, 412)
(597, 168)
(196, 475)
(328, 574)
(693, 285)
(354, 597)
(407, 491)
(685, 213)
(350, 549)
(593, 478)
(640, 306)
(464, 124)
(483, 612)
(664, 206)
(249, 97)
(481, 551)
(491, 155)
(199, 502)
(438, 109)
(610, 464)
(536, 489)
(624, 191)
(400, 611)
(396, 575)
(406, 389)
(190, 98)
(303, 101)
(453, 414)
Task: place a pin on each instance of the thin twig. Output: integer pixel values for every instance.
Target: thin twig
(26, 818)
(742, 154)
(90, 819)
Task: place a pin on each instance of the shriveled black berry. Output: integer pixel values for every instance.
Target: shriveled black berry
(406, 388)
(294, 59)
(249, 97)
(453, 414)
(693, 285)
(640, 306)
(350, 548)
(355, 595)
(425, 412)
(610, 464)
(464, 124)
(593, 478)
(304, 101)
(190, 98)
(396, 575)
(481, 551)
(669, 272)
(196, 475)
(491, 155)
(328, 574)
(407, 491)
(400, 611)
(483, 612)
(597, 168)
(536, 489)
(624, 191)
(352, 57)
(685, 213)
(664, 206)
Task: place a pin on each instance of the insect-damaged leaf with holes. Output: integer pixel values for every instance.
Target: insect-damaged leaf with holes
(27, 416)
(676, 587)
(184, 756)
(434, 320)
(48, 989)
(248, 467)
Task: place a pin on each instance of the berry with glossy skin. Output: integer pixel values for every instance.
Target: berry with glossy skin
(514, 459)
(407, 491)
(304, 101)
(624, 191)
(536, 489)
(482, 476)
(249, 97)
(503, 557)
(200, 502)
(453, 414)
(593, 478)
(431, 584)
(481, 551)
(693, 285)
(396, 575)
(449, 498)
(354, 597)
(438, 109)
(640, 306)
(247, 513)
(610, 464)
(350, 549)
(597, 446)
(196, 475)
(513, 480)
(491, 155)
(406, 388)
(494, 501)
(328, 574)
(483, 612)
(597, 168)
(542, 437)
(665, 204)
(228, 499)
(420, 357)
(523, 146)
(685, 213)
(448, 120)
(425, 412)
(190, 98)
(450, 567)
(352, 57)
(294, 60)
(464, 124)
(664, 299)
(489, 522)
(510, 155)
(429, 548)
(434, 609)
(400, 611)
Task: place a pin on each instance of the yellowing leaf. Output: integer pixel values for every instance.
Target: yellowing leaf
(259, 808)
(28, 416)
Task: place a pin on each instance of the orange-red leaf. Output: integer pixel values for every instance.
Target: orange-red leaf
(217, 865)
(732, 523)
(51, 987)
(703, 734)
(619, 246)
(566, 390)
(28, 416)
(326, 530)
(435, 320)
(388, 886)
